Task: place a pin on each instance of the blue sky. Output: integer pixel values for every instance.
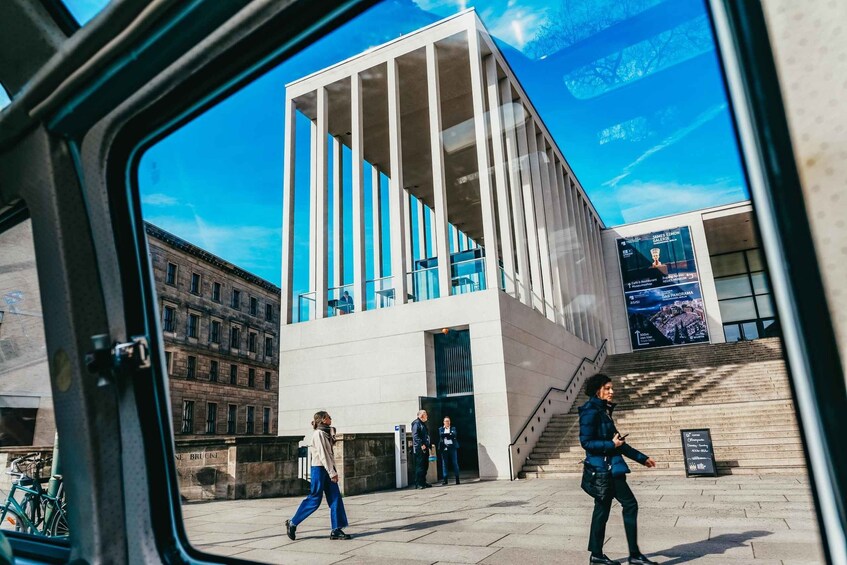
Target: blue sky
(84, 10)
(632, 95)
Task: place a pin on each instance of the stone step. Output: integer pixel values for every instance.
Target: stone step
(667, 453)
(666, 445)
(734, 438)
(666, 472)
(762, 462)
(758, 409)
(718, 420)
(569, 445)
(669, 425)
(743, 459)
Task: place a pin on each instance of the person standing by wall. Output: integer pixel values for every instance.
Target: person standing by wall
(421, 447)
(324, 481)
(448, 448)
(604, 448)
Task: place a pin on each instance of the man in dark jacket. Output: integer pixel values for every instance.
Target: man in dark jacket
(421, 447)
(604, 448)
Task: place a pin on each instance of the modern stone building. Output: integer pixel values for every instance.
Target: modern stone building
(220, 326)
(503, 279)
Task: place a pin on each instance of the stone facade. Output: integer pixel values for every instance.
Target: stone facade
(365, 462)
(26, 399)
(221, 334)
(238, 467)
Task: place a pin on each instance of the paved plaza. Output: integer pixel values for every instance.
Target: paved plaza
(731, 520)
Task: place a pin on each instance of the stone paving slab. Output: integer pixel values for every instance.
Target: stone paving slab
(746, 520)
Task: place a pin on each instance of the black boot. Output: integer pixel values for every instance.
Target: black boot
(457, 480)
(603, 560)
(338, 533)
(290, 530)
(641, 559)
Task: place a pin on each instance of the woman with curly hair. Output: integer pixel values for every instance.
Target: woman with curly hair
(604, 448)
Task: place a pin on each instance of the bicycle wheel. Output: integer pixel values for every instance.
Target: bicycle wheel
(31, 507)
(13, 521)
(58, 524)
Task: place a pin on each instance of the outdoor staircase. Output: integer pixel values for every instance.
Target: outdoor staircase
(739, 391)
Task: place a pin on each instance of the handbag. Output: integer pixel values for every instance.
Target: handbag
(597, 483)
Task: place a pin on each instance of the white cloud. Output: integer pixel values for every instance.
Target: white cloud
(516, 25)
(639, 201)
(159, 199)
(676, 136)
(255, 249)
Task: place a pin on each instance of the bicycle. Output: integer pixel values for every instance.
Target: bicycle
(39, 512)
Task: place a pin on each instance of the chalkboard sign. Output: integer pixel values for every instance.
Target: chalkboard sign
(698, 454)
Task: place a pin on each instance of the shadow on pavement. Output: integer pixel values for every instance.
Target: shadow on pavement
(717, 545)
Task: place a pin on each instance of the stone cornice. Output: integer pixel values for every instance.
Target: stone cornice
(179, 243)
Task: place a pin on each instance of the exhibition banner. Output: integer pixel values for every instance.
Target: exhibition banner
(662, 290)
(657, 259)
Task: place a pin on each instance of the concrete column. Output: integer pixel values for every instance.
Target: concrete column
(540, 221)
(544, 166)
(573, 243)
(376, 215)
(321, 207)
(358, 191)
(560, 281)
(337, 214)
(537, 281)
(585, 291)
(396, 193)
(486, 195)
(440, 226)
(605, 320)
(514, 171)
(287, 300)
(591, 266)
(597, 290)
(407, 218)
(507, 245)
(313, 204)
(419, 212)
(567, 266)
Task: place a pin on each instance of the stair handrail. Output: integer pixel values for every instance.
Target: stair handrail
(543, 398)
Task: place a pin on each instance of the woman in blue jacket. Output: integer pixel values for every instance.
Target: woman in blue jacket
(604, 448)
(448, 448)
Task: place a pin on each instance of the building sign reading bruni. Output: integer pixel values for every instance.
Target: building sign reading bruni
(662, 289)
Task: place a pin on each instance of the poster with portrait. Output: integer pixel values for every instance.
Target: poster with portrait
(657, 259)
(662, 289)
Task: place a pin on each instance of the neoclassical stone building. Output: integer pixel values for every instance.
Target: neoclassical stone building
(220, 326)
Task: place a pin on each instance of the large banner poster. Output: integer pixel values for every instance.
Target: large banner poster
(662, 290)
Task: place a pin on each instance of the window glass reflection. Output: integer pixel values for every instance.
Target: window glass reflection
(729, 264)
(737, 309)
(733, 287)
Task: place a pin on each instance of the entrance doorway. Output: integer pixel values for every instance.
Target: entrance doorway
(454, 395)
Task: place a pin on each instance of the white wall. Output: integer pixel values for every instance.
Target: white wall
(369, 368)
(620, 326)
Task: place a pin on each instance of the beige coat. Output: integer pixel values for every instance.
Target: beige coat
(321, 452)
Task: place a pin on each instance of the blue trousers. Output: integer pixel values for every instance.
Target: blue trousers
(321, 484)
(451, 456)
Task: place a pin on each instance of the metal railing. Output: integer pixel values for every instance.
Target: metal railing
(570, 391)
(379, 293)
(306, 306)
(423, 284)
(468, 276)
(339, 300)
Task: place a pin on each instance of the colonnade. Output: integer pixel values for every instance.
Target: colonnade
(540, 233)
